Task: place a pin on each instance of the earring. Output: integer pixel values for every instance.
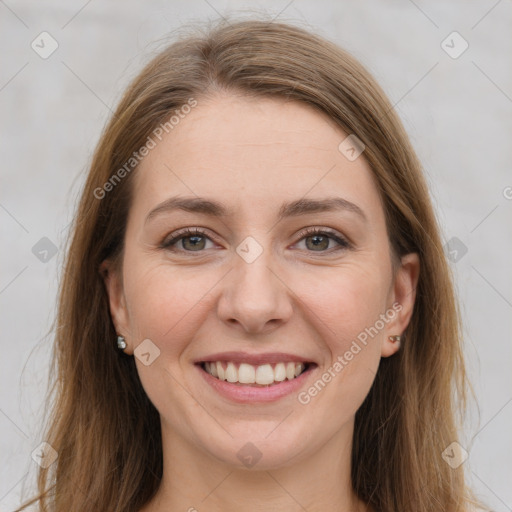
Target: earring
(121, 343)
(393, 339)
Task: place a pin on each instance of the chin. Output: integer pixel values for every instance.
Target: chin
(265, 450)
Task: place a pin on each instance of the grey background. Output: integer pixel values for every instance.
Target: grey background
(456, 110)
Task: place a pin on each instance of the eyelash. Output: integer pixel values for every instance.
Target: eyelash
(189, 232)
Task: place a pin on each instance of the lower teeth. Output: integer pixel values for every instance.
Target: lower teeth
(254, 384)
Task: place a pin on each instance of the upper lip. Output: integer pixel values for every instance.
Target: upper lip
(254, 359)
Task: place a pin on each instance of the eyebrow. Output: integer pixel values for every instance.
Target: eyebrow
(295, 208)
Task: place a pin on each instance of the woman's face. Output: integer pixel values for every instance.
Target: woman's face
(253, 288)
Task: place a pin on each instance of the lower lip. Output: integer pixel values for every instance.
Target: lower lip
(251, 394)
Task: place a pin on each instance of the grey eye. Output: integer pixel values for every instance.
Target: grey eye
(317, 242)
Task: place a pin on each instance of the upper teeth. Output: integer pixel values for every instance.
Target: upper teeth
(249, 374)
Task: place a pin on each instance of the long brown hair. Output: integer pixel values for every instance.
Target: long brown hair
(103, 426)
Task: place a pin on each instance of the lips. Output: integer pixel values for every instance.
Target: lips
(255, 371)
(254, 393)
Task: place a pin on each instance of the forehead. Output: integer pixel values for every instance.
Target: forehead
(253, 152)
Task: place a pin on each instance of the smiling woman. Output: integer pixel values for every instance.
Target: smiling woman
(272, 271)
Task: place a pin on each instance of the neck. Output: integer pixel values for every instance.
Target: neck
(316, 480)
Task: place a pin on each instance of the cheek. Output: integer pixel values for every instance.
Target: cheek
(163, 301)
(347, 301)
(345, 309)
(168, 306)
(348, 306)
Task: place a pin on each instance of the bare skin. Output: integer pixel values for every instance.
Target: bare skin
(299, 297)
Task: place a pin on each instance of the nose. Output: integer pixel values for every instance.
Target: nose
(255, 298)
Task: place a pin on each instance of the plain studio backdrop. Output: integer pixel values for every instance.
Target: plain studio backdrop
(444, 65)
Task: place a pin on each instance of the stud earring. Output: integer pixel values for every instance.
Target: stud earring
(394, 339)
(121, 343)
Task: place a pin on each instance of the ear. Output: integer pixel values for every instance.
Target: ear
(117, 302)
(402, 298)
